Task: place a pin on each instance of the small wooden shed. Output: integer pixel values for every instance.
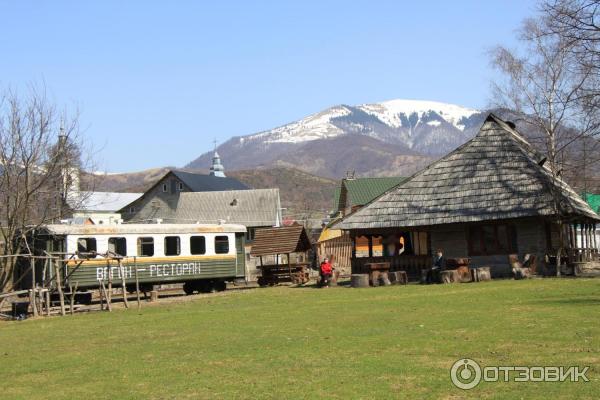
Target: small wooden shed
(283, 254)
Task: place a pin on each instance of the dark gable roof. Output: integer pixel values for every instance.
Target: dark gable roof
(284, 240)
(496, 175)
(208, 183)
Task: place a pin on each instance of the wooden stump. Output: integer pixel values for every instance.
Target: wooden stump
(394, 277)
(481, 274)
(464, 274)
(521, 273)
(334, 277)
(384, 279)
(423, 276)
(154, 295)
(402, 277)
(359, 280)
(375, 278)
(449, 276)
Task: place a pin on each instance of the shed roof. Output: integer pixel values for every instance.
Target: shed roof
(361, 191)
(101, 201)
(252, 207)
(208, 183)
(496, 175)
(284, 240)
(593, 201)
(364, 190)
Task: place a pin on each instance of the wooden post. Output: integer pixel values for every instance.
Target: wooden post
(61, 295)
(137, 284)
(103, 290)
(72, 302)
(109, 291)
(123, 286)
(48, 302)
(32, 300)
(370, 239)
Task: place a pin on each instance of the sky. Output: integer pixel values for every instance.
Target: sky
(156, 82)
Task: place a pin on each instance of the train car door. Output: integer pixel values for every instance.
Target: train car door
(240, 250)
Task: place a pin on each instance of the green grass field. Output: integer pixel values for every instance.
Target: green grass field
(338, 343)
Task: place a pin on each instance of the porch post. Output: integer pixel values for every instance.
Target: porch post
(572, 236)
(370, 237)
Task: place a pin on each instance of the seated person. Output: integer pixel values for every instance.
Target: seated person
(439, 265)
(325, 271)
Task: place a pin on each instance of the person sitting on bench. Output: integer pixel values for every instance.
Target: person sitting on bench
(439, 264)
(325, 271)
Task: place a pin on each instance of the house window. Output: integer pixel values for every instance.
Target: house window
(172, 246)
(87, 246)
(180, 186)
(118, 245)
(492, 240)
(145, 246)
(164, 188)
(197, 245)
(361, 246)
(132, 209)
(221, 245)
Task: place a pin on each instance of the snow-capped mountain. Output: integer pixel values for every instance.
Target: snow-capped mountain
(400, 136)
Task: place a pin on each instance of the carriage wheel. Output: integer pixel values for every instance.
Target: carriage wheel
(189, 288)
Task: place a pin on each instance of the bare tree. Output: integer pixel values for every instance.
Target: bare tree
(39, 159)
(578, 23)
(545, 85)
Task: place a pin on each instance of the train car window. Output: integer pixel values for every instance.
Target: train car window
(197, 245)
(145, 247)
(172, 246)
(87, 246)
(221, 244)
(118, 245)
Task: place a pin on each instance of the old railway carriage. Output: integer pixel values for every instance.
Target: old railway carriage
(203, 257)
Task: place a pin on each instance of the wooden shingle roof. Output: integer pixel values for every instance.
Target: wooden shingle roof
(284, 240)
(496, 175)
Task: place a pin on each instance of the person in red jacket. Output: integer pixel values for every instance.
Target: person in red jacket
(326, 270)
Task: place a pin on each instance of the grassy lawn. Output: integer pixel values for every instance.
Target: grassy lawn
(338, 343)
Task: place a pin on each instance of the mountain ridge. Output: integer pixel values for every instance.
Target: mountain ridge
(401, 136)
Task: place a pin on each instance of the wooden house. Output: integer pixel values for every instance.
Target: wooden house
(350, 196)
(491, 197)
(165, 193)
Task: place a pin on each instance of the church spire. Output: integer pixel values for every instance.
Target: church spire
(217, 168)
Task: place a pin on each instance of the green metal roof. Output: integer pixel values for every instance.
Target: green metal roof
(364, 190)
(593, 201)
